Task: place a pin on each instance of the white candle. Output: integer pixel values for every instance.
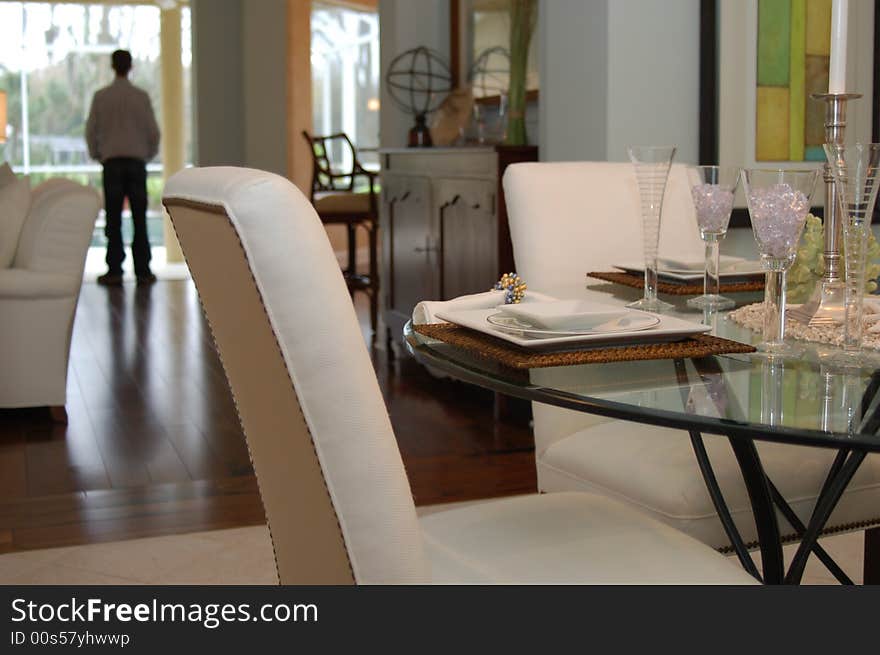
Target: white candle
(837, 68)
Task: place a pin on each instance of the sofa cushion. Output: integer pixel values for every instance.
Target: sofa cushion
(21, 283)
(58, 230)
(15, 202)
(656, 470)
(566, 538)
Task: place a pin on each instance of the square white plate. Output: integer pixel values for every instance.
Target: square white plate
(686, 264)
(732, 269)
(669, 329)
(574, 315)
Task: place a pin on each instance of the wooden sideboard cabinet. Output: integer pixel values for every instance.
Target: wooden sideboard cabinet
(443, 225)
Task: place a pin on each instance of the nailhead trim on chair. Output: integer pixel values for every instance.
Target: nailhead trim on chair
(220, 210)
(792, 537)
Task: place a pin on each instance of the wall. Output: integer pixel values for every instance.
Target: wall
(406, 24)
(218, 82)
(616, 72)
(239, 61)
(574, 79)
(612, 72)
(264, 39)
(653, 76)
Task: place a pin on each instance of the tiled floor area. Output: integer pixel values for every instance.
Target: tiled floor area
(243, 556)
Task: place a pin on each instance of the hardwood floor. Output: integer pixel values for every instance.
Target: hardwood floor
(153, 445)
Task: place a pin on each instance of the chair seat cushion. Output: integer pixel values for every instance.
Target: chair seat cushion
(656, 470)
(567, 538)
(342, 202)
(15, 201)
(22, 283)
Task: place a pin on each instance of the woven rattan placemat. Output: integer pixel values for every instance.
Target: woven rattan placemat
(513, 356)
(638, 282)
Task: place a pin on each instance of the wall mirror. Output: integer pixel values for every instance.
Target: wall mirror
(480, 34)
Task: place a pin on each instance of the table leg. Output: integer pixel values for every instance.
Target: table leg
(760, 487)
(757, 486)
(825, 505)
(761, 500)
(800, 529)
(730, 529)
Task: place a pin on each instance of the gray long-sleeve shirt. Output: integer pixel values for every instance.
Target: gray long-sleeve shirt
(121, 123)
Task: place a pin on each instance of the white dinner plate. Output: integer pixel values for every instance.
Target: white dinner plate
(695, 265)
(515, 325)
(668, 329)
(732, 269)
(578, 316)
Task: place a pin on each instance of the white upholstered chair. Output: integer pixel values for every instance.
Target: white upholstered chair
(39, 289)
(336, 495)
(570, 218)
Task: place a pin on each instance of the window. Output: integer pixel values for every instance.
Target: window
(53, 57)
(345, 78)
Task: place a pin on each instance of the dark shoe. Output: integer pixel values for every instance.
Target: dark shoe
(110, 279)
(146, 278)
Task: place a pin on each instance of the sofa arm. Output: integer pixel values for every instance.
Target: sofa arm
(23, 284)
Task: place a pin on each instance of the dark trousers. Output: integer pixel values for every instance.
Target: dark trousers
(126, 178)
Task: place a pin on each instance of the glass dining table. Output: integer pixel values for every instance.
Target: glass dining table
(746, 398)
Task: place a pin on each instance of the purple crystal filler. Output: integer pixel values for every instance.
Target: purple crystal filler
(713, 203)
(778, 213)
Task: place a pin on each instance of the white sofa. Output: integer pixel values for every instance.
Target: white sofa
(40, 279)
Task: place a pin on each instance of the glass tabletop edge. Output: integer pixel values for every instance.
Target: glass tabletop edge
(649, 416)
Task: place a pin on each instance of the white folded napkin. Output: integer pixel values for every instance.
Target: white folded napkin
(426, 311)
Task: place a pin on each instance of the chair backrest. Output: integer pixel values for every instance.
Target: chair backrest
(324, 176)
(56, 234)
(336, 495)
(569, 218)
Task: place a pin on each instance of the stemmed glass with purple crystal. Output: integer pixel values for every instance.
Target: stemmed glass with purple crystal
(712, 189)
(779, 201)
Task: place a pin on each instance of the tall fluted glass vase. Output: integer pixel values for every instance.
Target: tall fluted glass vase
(523, 17)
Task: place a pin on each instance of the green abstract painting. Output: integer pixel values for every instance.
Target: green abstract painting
(794, 43)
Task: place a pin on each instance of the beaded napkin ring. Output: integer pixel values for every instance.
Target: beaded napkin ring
(514, 287)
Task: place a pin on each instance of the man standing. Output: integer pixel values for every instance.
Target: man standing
(122, 134)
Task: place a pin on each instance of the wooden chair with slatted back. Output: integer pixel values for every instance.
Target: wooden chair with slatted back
(339, 200)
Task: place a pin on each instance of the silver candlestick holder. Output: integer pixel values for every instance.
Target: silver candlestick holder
(826, 305)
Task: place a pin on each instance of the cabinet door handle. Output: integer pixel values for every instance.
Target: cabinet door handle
(427, 247)
(404, 196)
(447, 205)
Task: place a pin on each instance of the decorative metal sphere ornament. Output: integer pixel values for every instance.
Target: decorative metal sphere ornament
(418, 81)
(490, 73)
